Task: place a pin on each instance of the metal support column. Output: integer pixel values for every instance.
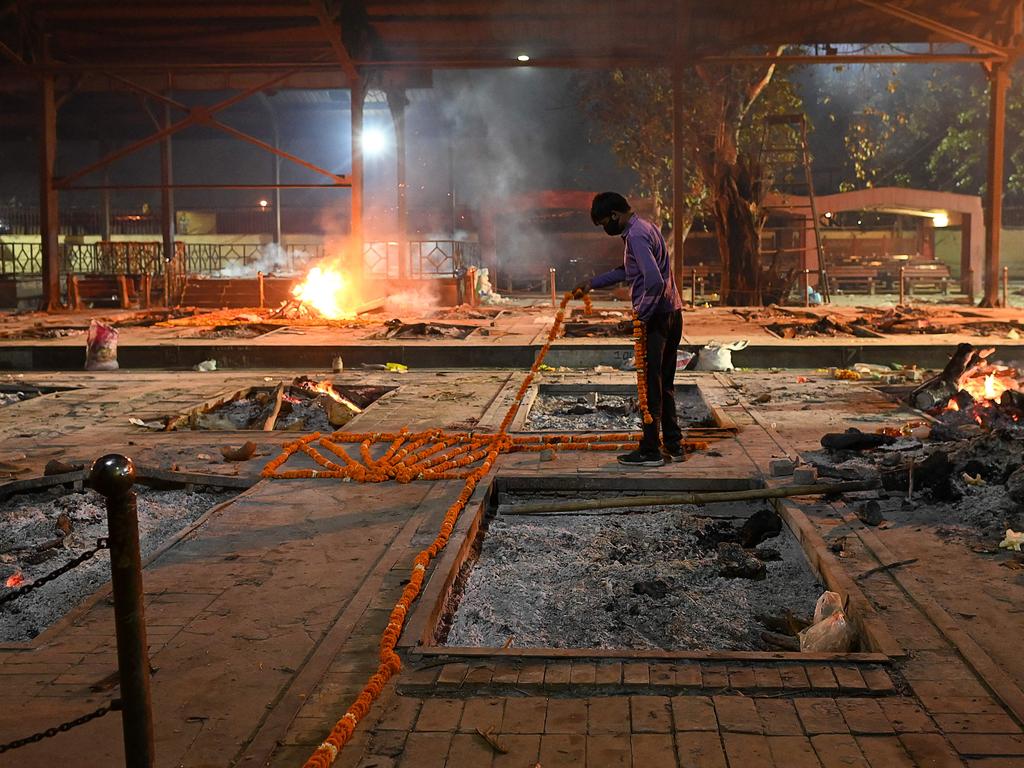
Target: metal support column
(167, 197)
(49, 223)
(999, 81)
(678, 208)
(276, 168)
(397, 102)
(683, 12)
(358, 93)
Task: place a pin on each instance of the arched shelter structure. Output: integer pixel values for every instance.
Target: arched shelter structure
(156, 47)
(963, 211)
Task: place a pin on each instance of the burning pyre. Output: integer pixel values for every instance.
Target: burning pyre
(326, 291)
(970, 389)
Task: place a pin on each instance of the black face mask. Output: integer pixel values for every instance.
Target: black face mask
(614, 227)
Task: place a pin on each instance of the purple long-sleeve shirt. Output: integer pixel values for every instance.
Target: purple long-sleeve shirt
(647, 269)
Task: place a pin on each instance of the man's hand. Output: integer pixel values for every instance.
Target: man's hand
(581, 289)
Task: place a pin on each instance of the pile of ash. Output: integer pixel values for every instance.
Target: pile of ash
(39, 532)
(664, 578)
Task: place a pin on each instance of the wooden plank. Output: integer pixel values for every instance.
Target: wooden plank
(268, 425)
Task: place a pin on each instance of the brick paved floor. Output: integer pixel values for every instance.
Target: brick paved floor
(264, 625)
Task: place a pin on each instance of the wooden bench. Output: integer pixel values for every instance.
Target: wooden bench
(853, 279)
(235, 292)
(101, 291)
(934, 275)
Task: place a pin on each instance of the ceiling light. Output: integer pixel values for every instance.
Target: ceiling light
(522, 57)
(940, 220)
(374, 141)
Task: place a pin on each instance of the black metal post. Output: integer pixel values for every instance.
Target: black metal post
(112, 476)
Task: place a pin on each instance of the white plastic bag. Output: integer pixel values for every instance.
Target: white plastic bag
(718, 357)
(830, 635)
(827, 604)
(101, 347)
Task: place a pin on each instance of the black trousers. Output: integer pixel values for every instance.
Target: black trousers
(664, 330)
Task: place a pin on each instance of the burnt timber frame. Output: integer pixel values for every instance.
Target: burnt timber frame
(311, 42)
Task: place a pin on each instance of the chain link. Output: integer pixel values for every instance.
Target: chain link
(7, 597)
(113, 706)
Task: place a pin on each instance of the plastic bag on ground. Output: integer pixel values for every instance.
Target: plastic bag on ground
(831, 631)
(101, 347)
(827, 604)
(831, 635)
(718, 357)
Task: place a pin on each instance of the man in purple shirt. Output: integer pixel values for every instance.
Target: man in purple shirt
(647, 269)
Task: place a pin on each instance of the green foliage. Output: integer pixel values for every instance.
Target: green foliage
(922, 126)
(631, 111)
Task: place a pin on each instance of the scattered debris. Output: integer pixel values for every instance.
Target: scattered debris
(205, 366)
(855, 440)
(1013, 540)
(243, 453)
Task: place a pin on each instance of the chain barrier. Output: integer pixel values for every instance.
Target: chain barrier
(113, 706)
(7, 597)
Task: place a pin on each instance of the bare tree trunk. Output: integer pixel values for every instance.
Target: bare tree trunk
(737, 227)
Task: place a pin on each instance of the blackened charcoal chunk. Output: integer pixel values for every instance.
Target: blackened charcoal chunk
(763, 524)
(734, 562)
(655, 588)
(870, 512)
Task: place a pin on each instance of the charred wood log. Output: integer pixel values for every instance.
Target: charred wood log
(936, 391)
(855, 440)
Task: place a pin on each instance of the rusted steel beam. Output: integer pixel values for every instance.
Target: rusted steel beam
(194, 117)
(950, 32)
(49, 226)
(242, 136)
(340, 185)
(358, 95)
(333, 35)
(119, 11)
(167, 192)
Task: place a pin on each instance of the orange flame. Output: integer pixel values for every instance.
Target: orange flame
(326, 388)
(991, 387)
(327, 290)
(14, 580)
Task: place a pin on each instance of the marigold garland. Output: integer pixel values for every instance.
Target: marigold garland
(436, 455)
(640, 359)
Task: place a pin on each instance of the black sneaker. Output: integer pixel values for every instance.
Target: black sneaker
(673, 453)
(640, 459)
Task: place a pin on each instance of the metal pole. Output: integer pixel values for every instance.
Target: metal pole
(259, 283)
(357, 92)
(167, 198)
(693, 287)
(807, 287)
(1006, 286)
(903, 285)
(554, 293)
(49, 225)
(112, 476)
(397, 102)
(999, 81)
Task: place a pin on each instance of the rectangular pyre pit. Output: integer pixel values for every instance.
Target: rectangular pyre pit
(43, 530)
(11, 393)
(632, 583)
(605, 408)
(302, 406)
